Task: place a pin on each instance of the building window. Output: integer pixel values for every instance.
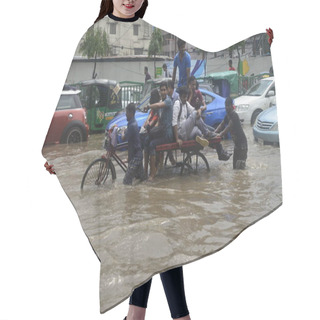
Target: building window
(135, 29)
(138, 51)
(113, 28)
(115, 51)
(146, 30)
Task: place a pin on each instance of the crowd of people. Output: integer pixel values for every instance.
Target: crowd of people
(176, 116)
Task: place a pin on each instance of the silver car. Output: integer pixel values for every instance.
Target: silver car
(265, 129)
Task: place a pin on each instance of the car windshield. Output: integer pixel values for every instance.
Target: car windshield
(68, 102)
(259, 88)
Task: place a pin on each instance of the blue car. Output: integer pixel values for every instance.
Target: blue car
(214, 114)
(265, 129)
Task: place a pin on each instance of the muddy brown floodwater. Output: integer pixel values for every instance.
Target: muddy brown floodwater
(151, 227)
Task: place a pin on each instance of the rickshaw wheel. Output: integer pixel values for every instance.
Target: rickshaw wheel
(195, 162)
(101, 172)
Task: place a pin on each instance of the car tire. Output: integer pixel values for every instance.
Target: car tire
(255, 115)
(73, 135)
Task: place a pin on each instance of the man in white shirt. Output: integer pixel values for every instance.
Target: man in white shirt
(172, 93)
(187, 122)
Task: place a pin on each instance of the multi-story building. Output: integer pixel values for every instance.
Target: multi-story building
(126, 39)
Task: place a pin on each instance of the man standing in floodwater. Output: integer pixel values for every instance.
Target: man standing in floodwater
(135, 166)
(231, 122)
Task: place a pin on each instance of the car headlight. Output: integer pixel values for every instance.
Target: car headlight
(275, 127)
(242, 107)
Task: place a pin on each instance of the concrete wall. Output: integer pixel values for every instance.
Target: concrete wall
(133, 70)
(113, 70)
(257, 64)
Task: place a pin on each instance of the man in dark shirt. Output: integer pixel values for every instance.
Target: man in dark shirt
(232, 123)
(147, 75)
(135, 166)
(165, 72)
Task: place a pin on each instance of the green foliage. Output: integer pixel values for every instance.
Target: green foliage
(95, 43)
(155, 46)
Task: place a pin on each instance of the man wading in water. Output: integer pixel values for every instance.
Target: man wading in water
(231, 122)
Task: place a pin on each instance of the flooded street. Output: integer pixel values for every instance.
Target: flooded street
(150, 227)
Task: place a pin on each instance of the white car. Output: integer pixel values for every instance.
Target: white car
(259, 97)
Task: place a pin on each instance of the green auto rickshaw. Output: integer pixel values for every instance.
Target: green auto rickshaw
(102, 100)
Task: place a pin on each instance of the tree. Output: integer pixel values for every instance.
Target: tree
(237, 47)
(95, 44)
(155, 46)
